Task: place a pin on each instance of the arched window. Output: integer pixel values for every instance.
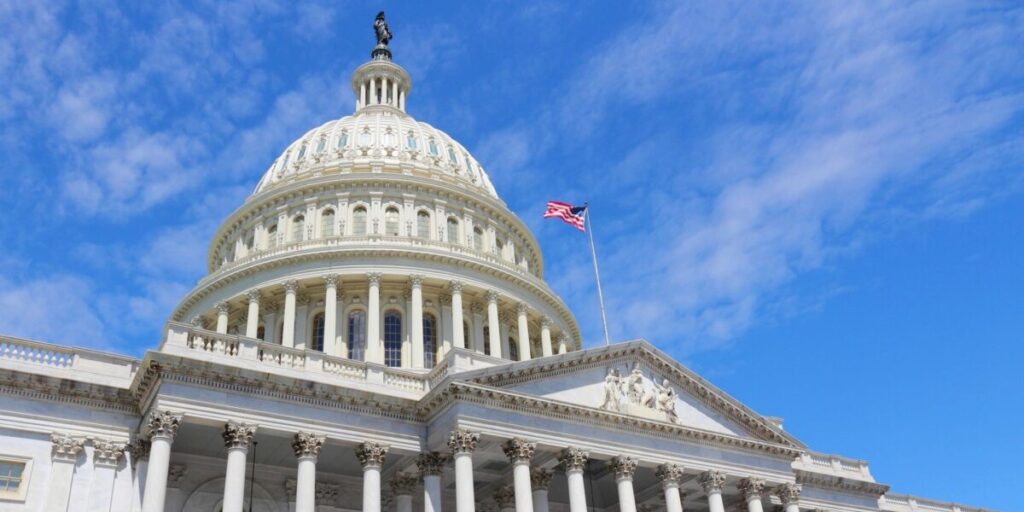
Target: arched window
(320, 145)
(487, 340)
(423, 224)
(453, 230)
(432, 146)
(499, 247)
(250, 240)
(393, 339)
(261, 333)
(359, 221)
(272, 236)
(391, 221)
(429, 341)
(410, 141)
(513, 349)
(343, 140)
(317, 341)
(327, 223)
(478, 239)
(298, 228)
(356, 335)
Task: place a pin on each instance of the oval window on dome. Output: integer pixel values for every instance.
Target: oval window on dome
(343, 140)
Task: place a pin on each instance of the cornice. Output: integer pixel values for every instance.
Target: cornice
(66, 391)
(841, 484)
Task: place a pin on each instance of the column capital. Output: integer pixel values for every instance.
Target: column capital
(107, 453)
(462, 440)
(222, 307)
(573, 459)
(624, 467)
(162, 424)
(540, 478)
(669, 474)
(492, 297)
(788, 493)
(522, 308)
(563, 338)
(373, 278)
(331, 280)
(445, 299)
(545, 322)
(402, 484)
(291, 286)
(752, 488)
(65, 447)
(712, 481)
(307, 444)
(504, 317)
(416, 281)
(139, 449)
(371, 454)
(237, 435)
(254, 296)
(505, 497)
(455, 286)
(431, 463)
(476, 307)
(519, 450)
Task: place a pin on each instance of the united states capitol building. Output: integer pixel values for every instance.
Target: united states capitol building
(375, 333)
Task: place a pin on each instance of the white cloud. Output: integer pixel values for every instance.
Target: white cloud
(58, 309)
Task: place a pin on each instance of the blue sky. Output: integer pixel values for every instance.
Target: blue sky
(816, 205)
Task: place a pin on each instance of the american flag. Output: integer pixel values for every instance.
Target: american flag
(572, 215)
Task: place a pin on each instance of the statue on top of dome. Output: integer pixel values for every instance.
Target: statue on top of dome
(380, 27)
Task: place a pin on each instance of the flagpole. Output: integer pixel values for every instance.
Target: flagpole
(597, 273)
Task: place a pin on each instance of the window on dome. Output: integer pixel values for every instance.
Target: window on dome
(302, 153)
(272, 236)
(284, 162)
(317, 343)
(429, 341)
(499, 247)
(451, 156)
(364, 138)
(487, 340)
(410, 141)
(298, 228)
(423, 224)
(327, 223)
(12, 478)
(513, 349)
(356, 335)
(359, 221)
(320, 145)
(432, 146)
(343, 140)
(393, 339)
(453, 230)
(391, 221)
(478, 239)
(469, 165)
(249, 242)
(389, 139)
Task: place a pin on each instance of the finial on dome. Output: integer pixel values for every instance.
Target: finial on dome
(381, 83)
(383, 32)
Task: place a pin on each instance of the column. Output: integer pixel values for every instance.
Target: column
(402, 486)
(789, 494)
(66, 450)
(462, 442)
(574, 460)
(752, 489)
(106, 456)
(523, 331)
(477, 341)
(671, 475)
(416, 282)
(545, 337)
(222, 317)
(624, 467)
(539, 481)
(712, 482)
(504, 497)
(563, 344)
(252, 320)
(236, 438)
(307, 448)
(458, 336)
(161, 426)
(288, 333)
(371, 457)
(362, 94)
(384, 86)
(138, 450)
(401, 100)
(394, 93)
(431, 464)
(492, 324)
(373, 349)
(519, 452)
(331, 315)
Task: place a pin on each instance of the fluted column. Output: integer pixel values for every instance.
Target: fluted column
(402, 486)
(493, 325)
(371, 456)
(789, 494)
(563, 344)
(416, 283)
(236, 438)
(624, 467)
(307, 449)
(573, 460)
(374, 354)
(519, 452)
(671, 476)
(252, 319)
(222, 317)
(539, 481)
(752, 489)
(458, 336)
(288, 332)
(66, 450)
(523, 331)
(331, 315)
(545, 337)
(712, 482)
(462, 443)
(161, 426)
(431, 465)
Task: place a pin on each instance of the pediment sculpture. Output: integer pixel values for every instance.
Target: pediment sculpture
(629, 394)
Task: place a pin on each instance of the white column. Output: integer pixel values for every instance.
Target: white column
(66, 450)
(545, 337)
(394, 93)
(288, 333)
(161, 427)
(307, 448)
(563, 344)
(362, 94)
(222, 317)
(462, 442)
(401, 100)
(789, 494)
(416, 282)
(402, 486)
(371, 456)
(505, 498)
(458, 336)
(574, 460)
(106, 456)
(330, 315)
(671, 475)
(431, 465)
(624, 467)
(539, 481)
(236, 438)
(712, 482)
(523, 331)
(139, 453)
(520, 452)
(373, 349)
(493, 326)
(752, 489)
(384, 92)
(252, 320)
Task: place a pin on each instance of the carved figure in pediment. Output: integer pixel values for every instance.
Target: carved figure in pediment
(612, 383)
(634, 386)
(666, 400)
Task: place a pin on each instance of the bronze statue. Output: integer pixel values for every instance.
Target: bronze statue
(380, 27)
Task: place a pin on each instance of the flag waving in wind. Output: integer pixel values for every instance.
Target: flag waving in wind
(572, 215)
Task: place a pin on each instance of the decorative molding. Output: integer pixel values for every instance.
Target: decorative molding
(416, 281)
(623, 467)
(522, 308)
(222, 308)
(573, 459)
(838, 483)
(373, 278)
(238, 435)
(331, 280)
(371, 454)
(107, 453)
(518, 450)
(788, 493)
(462, 440)
(711, 481)
(492, 297)
(455, 286)
(138, 450)
(431, 463)
(307, 444)
(403, 484)
(505, 497)
(291, 286)
(752, 488)
(176, 473)
(670, 475)
(162, 424)
(66, 448)
(254, 296)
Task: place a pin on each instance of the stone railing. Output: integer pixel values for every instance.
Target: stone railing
(893, 502)
(67, 362)
(834, 464)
